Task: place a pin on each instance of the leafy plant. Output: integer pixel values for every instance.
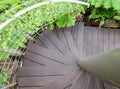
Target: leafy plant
(66, 20)
(117, 15)
(104, 9)
(12, 37)
(4, 76)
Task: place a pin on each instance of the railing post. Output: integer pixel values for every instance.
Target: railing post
(105, 66)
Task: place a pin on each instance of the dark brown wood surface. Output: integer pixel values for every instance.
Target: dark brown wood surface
(51, 62)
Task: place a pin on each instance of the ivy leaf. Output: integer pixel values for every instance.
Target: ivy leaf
(116, 4)
(117, 17)
(71, 20)
(51, 26)
(107, 4)
(62, 21)
(99, 3)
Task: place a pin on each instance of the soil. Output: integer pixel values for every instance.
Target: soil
(109, 23)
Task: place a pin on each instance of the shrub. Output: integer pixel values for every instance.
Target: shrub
(104, 9)
(4, 76)
(12, 37)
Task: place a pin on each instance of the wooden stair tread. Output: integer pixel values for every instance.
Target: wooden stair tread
(45, 71)
(35, 81)
(44, 52)
(51, 62)
(62, 82)
(108, 86)
(80, 82)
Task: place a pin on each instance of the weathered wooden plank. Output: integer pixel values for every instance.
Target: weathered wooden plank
(108, 86)
(55, 31)
(57, 43)
(48, 43)
(71, 42)
(50, 87)
(34, 57)
(35, 81)
(97, 84)
(80, 82)
(74, 31)
(100, 40)
(53, 55)
(29, 87)
(61, 36)
(111, 39)
(92, 82)
(85, 43)
(39, 63)
(45, 71)
(80, 38)
(62, 82)
(29, 63)
(40, 43)
(87, 79)
(117, 38)
(101, 83)
(89, 40)
(106, 40)
(95, 41)
(68, 87)
(45, 61)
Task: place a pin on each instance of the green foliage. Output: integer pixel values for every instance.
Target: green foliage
(66, 20)
(115, 4)
(5, 4)
(13, 37)
(117, 15)
(104, 9)
(4, 76)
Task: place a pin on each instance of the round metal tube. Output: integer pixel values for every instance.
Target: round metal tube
(105, 66)
(2, 25)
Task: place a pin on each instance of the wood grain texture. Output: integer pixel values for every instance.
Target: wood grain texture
(51, 62)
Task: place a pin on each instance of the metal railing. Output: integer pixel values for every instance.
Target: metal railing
(12, 63)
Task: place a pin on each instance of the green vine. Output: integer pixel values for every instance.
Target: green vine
(4, 76)
(104, 9)
(12, 37)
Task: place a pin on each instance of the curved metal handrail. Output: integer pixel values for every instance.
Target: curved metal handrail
(2, 25)
(38, 5)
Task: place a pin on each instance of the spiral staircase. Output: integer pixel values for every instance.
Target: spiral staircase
(79, 57)
(54, 60)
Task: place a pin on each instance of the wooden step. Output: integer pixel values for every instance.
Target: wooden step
(63, 82)
(51, 62)
(80, 82)
(92, 82)
(52, 42)
(47, 53)
(51, 58)
(35, 81)
(45, 71)
(108, 86)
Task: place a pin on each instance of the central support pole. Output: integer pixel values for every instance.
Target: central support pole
(105, 66)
